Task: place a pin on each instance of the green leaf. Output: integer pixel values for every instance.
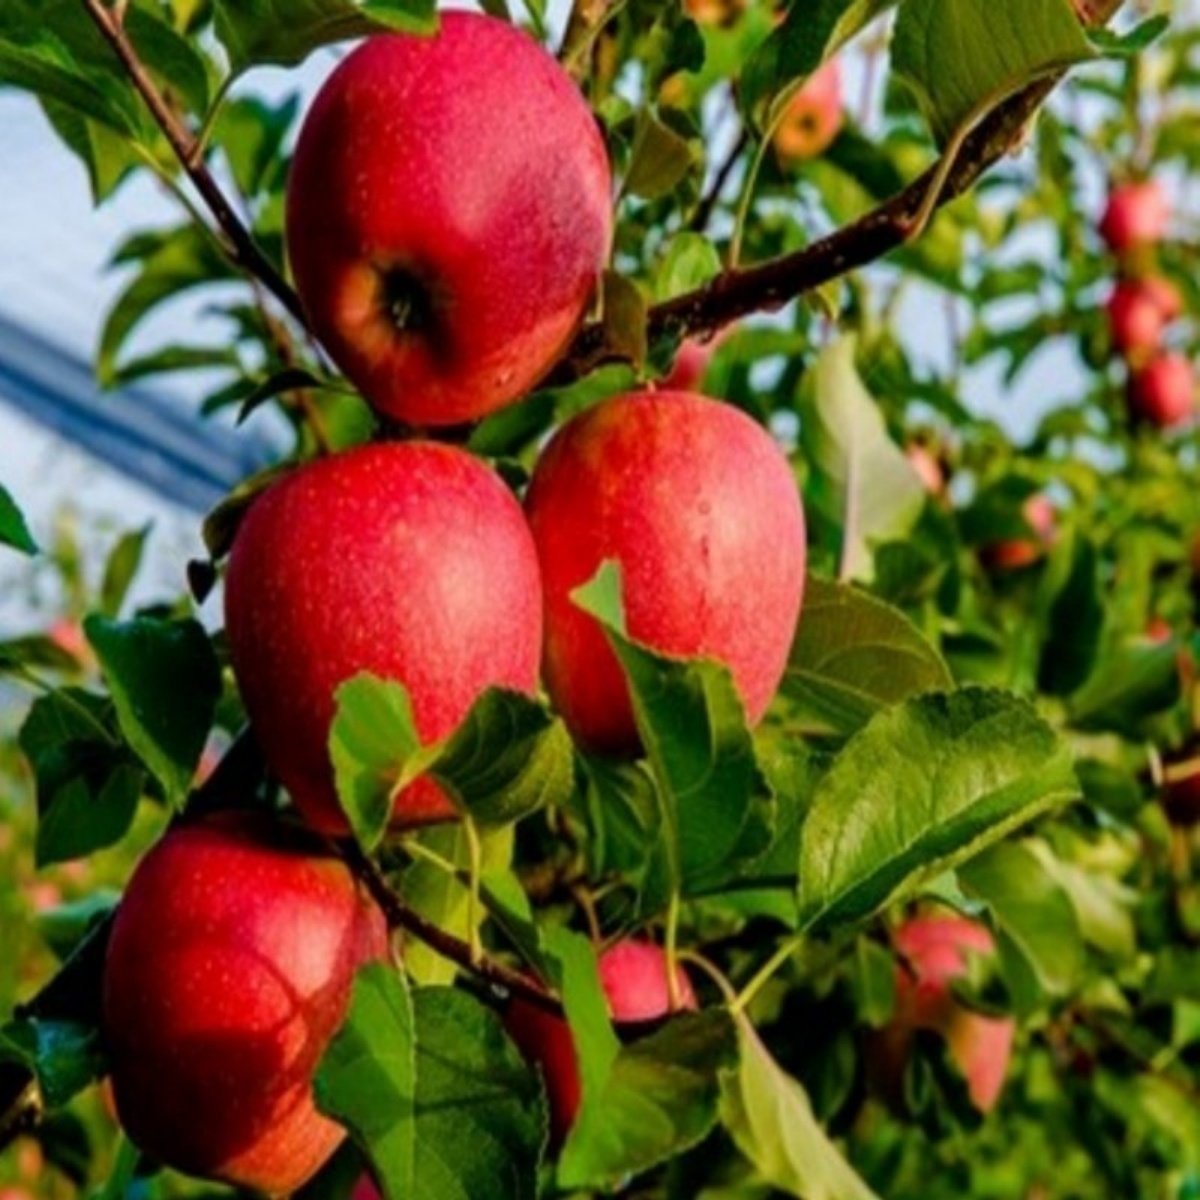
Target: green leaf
(251, 133)
(121, 567)
(859, 480)
(813, 31)
(13, 530)
(284, 32)
(659, 1099)
(919, 789)
(170, 262)
(771, 1120)
(88, 783)
(852, 656)
(624, 315)
(431, 1089)
(1074, 605)
(506, 759)
(107, 156)
(1133, 42)
(63, 927)
(962, 57)
(165, 684)
(1040, 941)
(65, 1056)
(690, 262)
(659, 159)
(716, 805)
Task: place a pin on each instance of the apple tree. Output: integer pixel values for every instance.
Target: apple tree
(707, 705)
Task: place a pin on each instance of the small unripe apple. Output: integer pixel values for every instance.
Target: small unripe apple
(1137, 215)
(1136, 318)
(933, 954)
(1163, 392)
(408, 560)
(928, 470)
(813, 117)
(229, 969)
(633, 975)
(449, 213)
(1012, 554)
(699, 507)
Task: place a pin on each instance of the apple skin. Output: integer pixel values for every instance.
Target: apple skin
(633, 974)
(813, 118)
(700, 508)
(1163, 392)
(1014, 554)
(1137, 318)
(229, 969)
(365, 1189)
(933, 954)
(409, 560)
(462, 177)
(1137, 215)
(690, 366)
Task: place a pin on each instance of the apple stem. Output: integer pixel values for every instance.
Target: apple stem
(672, 950)
(763, 977)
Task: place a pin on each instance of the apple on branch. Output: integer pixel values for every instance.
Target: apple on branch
(449, 213)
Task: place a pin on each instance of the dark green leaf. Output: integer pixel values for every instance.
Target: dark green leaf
(122, 566)
(65, 1056)
(13, 530)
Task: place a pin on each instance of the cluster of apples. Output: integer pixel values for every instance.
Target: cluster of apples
(445, 263)
(1144, 304)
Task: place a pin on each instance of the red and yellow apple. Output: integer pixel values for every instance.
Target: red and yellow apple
(229, 969)
(933, 954)
(700, 509)
(1163, 392)
(1139, 311)
(449, 213)
(1137, 215)
(409, 560)
(1013, 554)
(633, 975)
(813, 117)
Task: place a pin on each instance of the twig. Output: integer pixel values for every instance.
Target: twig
(736, 293)
(585, 22)
(400, 916)
(241, 247)
(704, 210)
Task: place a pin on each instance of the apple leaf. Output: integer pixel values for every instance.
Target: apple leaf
(962, 57)
(285, 32)
(860, 482)
(659, 159)
(659, 1099)
(508, 758)
(812, 31)
(852, 656)
(65, 1056)
(13, 530)
(716, 806)
(921, 788)
(1039, 938)
(1130, 684)
(771, 1120)
(165, 684)
(121, 567)
(88, 782)
(420, 1077)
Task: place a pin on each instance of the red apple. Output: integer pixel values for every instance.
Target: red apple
(1158, 631)
(1136, 318)
(813, 117)
(633, 975)
(1137, 215)
(229, 969)
(699, 507)
(1164, 391)
(929, 471)
(449, 213)
(409, 560)
(365, 1189)
(933, 953)
(1012, 554)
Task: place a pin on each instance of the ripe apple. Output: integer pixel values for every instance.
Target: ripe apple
(1012, 554)
(409, 560)
(700, 508)
(813, 117)
(1137, 317)
(633, 975)
(1181, 793)
(1137, 215)
(1163, 392)
(449, 212)
(933, 953)
(229, 969)
(929, 471)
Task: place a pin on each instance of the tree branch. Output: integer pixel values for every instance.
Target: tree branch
(239, 244)
(400, 916)
(585, 22)
(769, 286)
